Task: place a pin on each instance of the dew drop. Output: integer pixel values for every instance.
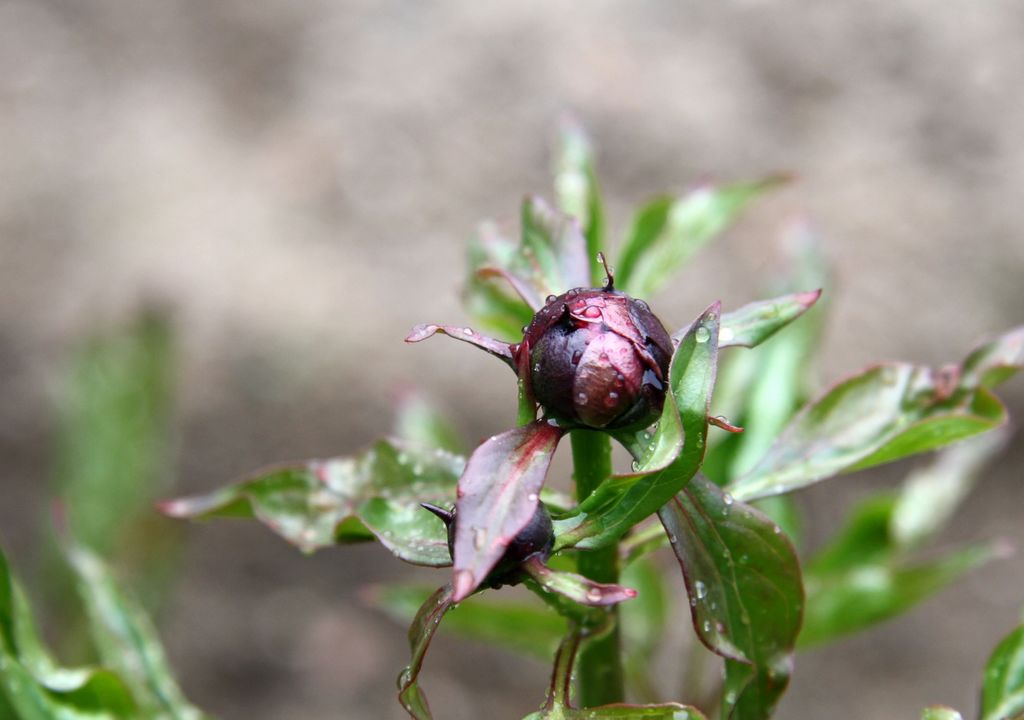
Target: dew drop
(536, 367)
(702, 334)
(550, 299)
(581, 398)
(467, 331)
(707, 626)
(591, 311)
(728, 499)
(576, 357)
(777, 530)
(479, 537)
(700, 590)
(635, 465)
(532, 497)
(594, 594)
(642, 305)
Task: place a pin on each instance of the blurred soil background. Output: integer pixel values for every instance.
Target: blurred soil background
(295, 182)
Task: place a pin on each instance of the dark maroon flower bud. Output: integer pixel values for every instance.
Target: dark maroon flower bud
(534, 540)
(598, 358)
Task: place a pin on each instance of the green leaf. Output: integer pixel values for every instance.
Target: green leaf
(113, 432)
(1002, 691)
(754, 323)
(127, 641)
(576, 189)
(528, 628)
(643, 622)
(861, 578)
(666, 711)
(33, 686)
(746, 597)
(932, 493)
(666, 233)
(419, 424)
(421, 632)
(558, 705)
(884, 413)
(323, 502)
(577, 588)
(624, 500)
(938, 712)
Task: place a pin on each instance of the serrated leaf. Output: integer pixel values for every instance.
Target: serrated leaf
(624, 500)
(1002, 690)
(882, 414)
(752, 324)
(33, 686)
(127, 641)
(527, 628)
(421, 632)
(577, 191)
(497, 496)
(322, 502)
(667, 232)
(746, 597)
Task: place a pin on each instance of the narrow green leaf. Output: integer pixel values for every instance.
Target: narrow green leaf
(938, 712)
(113, 432)
(419, 424)
(665, 234)
(932, 493)
(850, 598)
(527, 628)
(666, 711)
(746, 597)
(33, 686)
(885, 413)
(127, 641)
(863, 576)
(421, 632)
(577, 191)
(1002, 691)
(754, 323)
(624, 500)
(323, 502)
(575, 587)
(643, 624)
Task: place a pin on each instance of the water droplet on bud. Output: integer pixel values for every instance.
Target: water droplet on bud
(594, 595)
(550, 299)
(582, 398)
(702, 335)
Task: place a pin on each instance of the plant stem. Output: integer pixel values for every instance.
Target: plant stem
(600, 663)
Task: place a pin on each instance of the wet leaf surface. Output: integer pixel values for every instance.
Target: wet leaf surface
(746, 597)
(320, 503)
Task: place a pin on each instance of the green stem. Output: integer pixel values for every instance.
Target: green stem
(600, 663)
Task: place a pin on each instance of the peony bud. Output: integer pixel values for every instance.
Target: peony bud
(598, 358)
(534, 540)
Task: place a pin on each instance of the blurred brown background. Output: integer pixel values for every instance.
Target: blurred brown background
(296, 181)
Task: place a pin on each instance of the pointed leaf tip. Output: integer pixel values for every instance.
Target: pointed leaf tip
(497, 496)
(497, 348)
(576, 587)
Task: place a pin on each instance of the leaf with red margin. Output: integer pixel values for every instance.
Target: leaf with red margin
(421, 632)
(497, 495)
(746, 596)
(497, 348)
(755, 322)
(885, 413)
(576, 587)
